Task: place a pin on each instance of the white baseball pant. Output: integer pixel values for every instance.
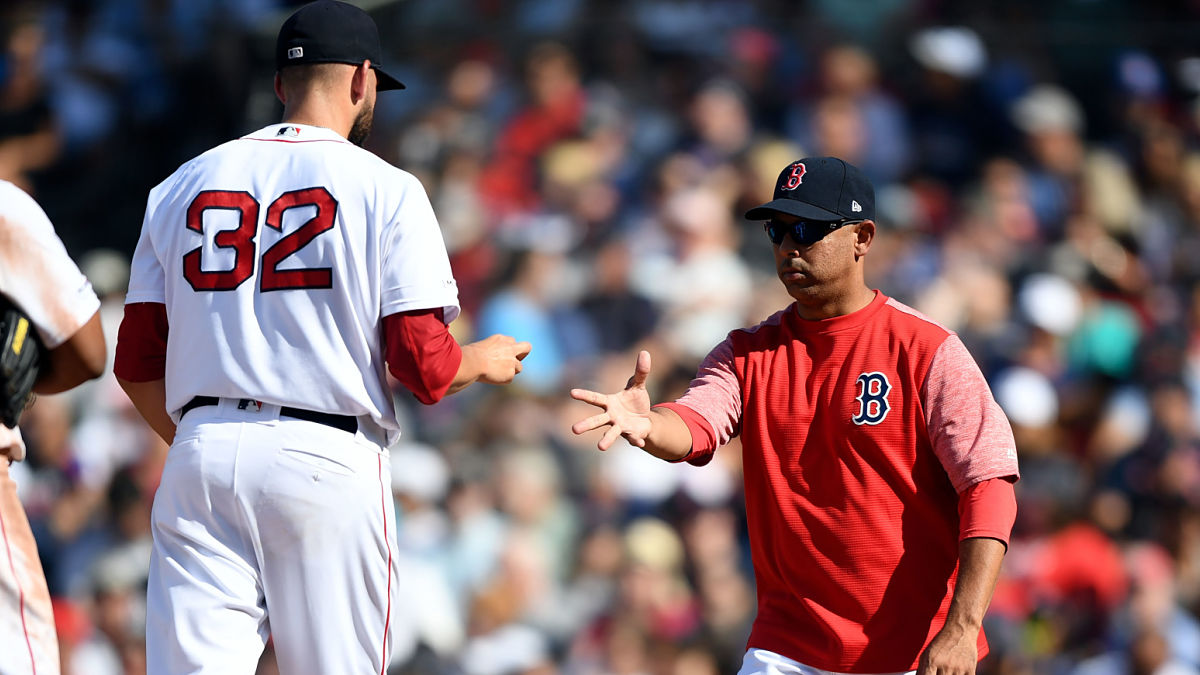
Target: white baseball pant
(28, 642)
(762, 662)
(267, 525)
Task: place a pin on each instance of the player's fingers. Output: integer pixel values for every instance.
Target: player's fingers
(593, 422)
(522, 349)
(641, 369)
(609, 438)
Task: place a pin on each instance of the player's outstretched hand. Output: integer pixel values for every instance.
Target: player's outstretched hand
(501, 355)
(626, 413)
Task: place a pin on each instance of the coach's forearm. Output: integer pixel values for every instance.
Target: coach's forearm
(669, 436)
(150, 399)
(955, 647)
(979, 560)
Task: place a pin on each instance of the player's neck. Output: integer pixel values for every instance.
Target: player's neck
(317, 116)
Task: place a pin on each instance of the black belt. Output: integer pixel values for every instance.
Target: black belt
(343, 422)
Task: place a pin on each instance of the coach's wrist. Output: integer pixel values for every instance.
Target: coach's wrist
(963, 626)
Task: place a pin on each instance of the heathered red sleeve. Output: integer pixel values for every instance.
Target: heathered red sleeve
(421, 352)
(987, 509)
(142, 343)
(969, 432)
(712, 405)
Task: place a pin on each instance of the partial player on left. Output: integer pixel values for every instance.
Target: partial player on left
(38, 277)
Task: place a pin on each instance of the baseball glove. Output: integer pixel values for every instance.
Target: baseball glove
(20, 359)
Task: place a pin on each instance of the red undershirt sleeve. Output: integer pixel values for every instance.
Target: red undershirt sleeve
(421, 352)
(142, 343)
(987, 509)
(704, 439)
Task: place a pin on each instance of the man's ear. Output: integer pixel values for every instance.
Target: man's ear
(864, 234)
(360, 82)
(279, 89)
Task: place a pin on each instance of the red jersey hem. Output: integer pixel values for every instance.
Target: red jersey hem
(704, 439)
(988, 509)
(785, 647)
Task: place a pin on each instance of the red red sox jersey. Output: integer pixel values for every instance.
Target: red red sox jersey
(277, 255)
(858, 433)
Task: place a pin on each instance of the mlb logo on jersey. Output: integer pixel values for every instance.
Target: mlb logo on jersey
(288, 131)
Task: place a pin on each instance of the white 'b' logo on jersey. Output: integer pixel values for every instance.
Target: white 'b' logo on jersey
(872, 399)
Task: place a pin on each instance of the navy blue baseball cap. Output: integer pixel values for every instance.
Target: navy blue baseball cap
(328, 31)
(820, 188)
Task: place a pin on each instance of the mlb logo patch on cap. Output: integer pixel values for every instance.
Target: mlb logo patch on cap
(295, 52)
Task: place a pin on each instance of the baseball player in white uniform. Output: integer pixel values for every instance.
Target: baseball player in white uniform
(37, 275)
(278, 279)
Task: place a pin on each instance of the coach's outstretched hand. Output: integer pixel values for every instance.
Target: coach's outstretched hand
(626, 413)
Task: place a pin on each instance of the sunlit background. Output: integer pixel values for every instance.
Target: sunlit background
(1038, 183)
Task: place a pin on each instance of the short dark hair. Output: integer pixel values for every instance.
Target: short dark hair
(307, 74)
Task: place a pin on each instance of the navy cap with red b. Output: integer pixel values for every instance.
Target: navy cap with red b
(328, 31)
(820, 188)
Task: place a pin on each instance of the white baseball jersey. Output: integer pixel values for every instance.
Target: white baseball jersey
(276, 255)
(37, 274)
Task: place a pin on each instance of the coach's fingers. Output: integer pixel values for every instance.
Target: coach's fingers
(588, 396)
(593, 422)
(610, 437)
(641, 369)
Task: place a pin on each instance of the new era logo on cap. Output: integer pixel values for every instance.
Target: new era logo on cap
(820, 188)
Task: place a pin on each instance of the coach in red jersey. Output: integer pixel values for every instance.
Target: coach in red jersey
(879, 469)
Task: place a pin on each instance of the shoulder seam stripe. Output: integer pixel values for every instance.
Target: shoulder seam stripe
(905, 309)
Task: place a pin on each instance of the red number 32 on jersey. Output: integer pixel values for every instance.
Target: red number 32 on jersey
(241, 240)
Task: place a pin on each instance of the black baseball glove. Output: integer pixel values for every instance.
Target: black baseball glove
(20, 360)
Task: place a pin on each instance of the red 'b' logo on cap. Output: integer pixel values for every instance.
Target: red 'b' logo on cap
(795, 177)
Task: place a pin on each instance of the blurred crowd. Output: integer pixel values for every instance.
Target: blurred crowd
(1037, 166)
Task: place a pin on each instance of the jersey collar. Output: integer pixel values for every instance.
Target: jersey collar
(289, 132)
(836, 323)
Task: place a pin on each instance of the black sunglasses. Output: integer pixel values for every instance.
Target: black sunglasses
(806, 232)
